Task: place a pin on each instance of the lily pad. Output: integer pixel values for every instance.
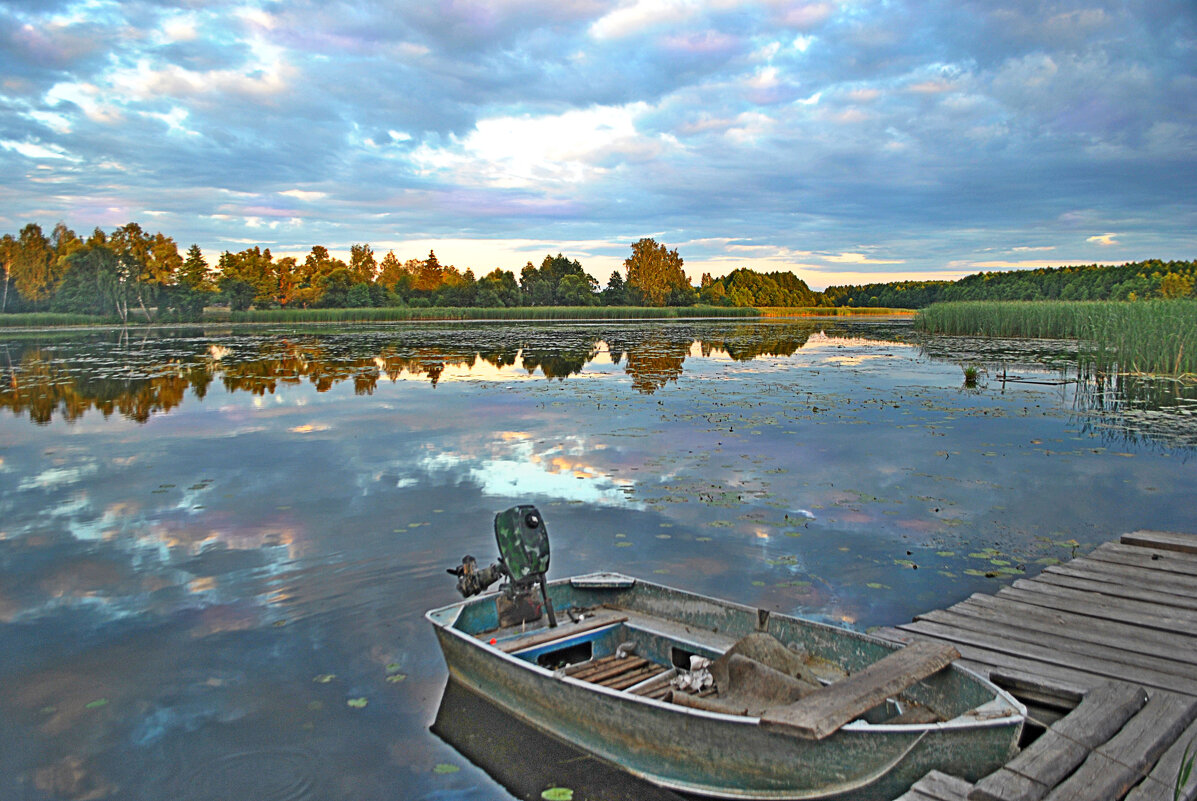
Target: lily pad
(357, 703)
(96, 704)
(395, 678)
(558, 794)
(324, 678)
(444, 768)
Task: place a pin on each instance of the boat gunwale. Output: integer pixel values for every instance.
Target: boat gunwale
(1016, 716)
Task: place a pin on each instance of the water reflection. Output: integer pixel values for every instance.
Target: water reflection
(525, 761)
(197, 580)
(141, 379)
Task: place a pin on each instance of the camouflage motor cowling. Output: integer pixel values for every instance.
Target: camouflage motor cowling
(523, 542)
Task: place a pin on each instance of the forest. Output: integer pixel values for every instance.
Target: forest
(130, 271)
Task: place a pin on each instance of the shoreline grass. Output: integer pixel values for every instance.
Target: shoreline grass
(1143, 336)
(832, 311)
(463, 313)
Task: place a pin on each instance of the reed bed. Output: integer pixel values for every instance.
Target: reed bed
(829, 311)
(1145, 336)
(408, 313)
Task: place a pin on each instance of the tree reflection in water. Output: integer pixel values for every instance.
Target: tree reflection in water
(70, 375)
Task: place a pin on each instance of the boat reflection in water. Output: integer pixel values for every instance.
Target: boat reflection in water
(524, 760)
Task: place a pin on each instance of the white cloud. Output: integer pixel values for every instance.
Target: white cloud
(633, 17)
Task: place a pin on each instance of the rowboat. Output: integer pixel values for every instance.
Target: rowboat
(710, 697)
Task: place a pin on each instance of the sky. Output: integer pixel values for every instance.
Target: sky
(846, 141)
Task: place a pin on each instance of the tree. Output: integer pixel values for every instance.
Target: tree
(430, 275)
(655, 271)
(615, 293)
(33, 269)
(362, 264)
(94, 283)
(8, 254)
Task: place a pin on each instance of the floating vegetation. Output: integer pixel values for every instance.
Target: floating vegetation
(357, 703)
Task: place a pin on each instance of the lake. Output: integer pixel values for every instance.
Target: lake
(217, 545)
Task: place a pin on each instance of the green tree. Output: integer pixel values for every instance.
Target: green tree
(615, 293)
(95, 283)
(655, 271)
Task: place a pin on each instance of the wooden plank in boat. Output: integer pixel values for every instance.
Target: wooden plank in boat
(1163, 540)
(1048, 760)
(1119, 764)
(616, 668)
(824, 711)
(634, 678)
(562, 631)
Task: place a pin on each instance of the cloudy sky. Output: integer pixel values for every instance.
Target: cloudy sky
(848, 141)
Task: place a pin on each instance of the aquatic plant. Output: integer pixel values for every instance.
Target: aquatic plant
(1155, 336)
(970, 376)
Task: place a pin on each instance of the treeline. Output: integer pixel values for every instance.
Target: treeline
(1144, 280)
(130, 270)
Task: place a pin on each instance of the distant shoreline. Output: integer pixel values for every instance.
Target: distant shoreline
(51, 320)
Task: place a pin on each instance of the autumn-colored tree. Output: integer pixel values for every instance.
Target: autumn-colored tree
(655, 272)
(362, 265)
(430, 275)
(34, 271)
(390, 270)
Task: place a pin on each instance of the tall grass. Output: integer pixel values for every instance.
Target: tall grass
(406, 313)
(827, 311)
(48, 319)
(1145, 336)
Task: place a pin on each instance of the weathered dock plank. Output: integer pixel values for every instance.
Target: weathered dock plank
(1172, 562)
(1182, 648)
(1124, 591)
(1014, 632)
(1031, 774)
(1128, 575)
(1094, 606)
(1165, 540)
(984, 660)
(1117, 625)
(1162, 783)
(1117, 765)
(1098, 661)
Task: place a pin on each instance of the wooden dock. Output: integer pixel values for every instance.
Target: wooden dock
(1103, 650)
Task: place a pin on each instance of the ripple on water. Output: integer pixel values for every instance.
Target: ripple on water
(272, 774)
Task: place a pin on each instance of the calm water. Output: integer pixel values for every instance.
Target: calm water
(211, 543)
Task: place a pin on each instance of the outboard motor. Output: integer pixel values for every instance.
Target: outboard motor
(523, 544)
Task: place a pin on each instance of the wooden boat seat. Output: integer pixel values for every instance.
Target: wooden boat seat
(825, 710)
(616, 672)
(544, 636)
